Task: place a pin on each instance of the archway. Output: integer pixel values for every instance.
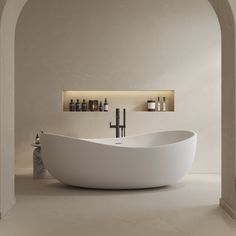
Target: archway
(228, 193)
(10, 10)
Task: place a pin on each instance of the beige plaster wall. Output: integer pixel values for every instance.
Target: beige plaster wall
(118, 45)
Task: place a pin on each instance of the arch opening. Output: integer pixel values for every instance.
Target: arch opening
(10, 14)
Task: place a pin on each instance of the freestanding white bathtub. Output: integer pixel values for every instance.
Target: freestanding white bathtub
(142, 161)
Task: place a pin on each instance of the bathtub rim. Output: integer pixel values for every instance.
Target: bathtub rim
(90, 140)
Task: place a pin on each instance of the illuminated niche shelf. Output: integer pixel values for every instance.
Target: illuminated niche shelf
(131, 100)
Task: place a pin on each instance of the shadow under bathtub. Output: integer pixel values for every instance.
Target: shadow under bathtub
(26, 185)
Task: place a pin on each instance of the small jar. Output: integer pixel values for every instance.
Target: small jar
(151, 105)
(91, 105)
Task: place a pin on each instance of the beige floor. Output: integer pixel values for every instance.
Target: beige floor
(46, 207)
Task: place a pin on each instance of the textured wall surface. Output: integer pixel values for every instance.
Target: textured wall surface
(118, 45)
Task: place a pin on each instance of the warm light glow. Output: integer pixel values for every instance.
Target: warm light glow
(131, 100)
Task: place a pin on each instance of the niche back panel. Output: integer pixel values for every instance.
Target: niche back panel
(131, 100)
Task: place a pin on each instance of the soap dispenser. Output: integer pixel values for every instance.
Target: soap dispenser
(37, 139)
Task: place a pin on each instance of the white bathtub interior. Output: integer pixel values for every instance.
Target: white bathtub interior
(146, 140)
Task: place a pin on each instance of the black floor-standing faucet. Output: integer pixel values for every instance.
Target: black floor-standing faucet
(123, 127)
(120, 129)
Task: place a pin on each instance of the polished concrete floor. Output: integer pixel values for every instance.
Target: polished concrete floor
(46, 207)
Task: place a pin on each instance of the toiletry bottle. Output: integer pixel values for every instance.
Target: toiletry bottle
(158, 104)
(84, 105)
(37, 139)
(164, 104)
(72, 105)
(151, 105)
(106, 105)
(78, 105)
(100, 106)
(91, 105)
(95, 105)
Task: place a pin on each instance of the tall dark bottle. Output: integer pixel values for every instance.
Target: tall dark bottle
(78, 105)
(84, 105)
(72, 105)
(105, 106)
(100, 106)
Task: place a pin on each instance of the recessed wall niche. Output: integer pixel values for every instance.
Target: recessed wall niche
(135, 101)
